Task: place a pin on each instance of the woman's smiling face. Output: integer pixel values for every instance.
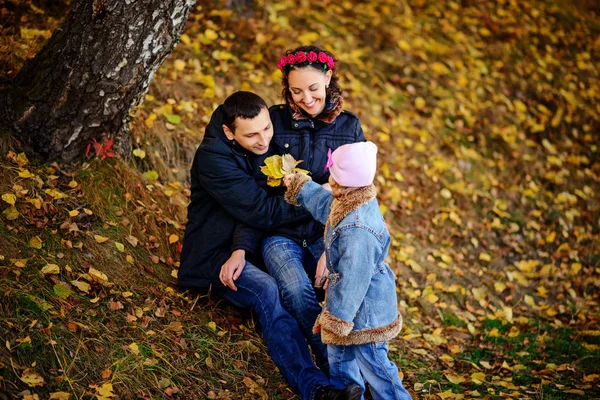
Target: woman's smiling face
(307, 87)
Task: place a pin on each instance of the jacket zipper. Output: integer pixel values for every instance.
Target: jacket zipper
(304, 243)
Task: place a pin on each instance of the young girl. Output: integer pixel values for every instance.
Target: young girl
(361, 311)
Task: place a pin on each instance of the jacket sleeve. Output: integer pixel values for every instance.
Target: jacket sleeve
(246, 238)
(316, 199)
(358, 250)
(239, 194)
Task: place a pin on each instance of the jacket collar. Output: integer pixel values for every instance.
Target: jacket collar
(347, 200)
(329, 114)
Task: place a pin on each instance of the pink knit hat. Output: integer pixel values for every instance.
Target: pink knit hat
(354, 165)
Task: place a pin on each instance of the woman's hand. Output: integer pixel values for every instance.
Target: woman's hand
(232, 269)
(321, 273)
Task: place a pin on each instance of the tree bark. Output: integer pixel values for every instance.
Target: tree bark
(91, 73)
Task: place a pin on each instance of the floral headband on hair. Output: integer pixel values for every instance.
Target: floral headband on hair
(302, 57)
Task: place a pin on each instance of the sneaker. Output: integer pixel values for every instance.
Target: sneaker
(350, 392)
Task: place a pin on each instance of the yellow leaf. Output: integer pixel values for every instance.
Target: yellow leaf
(129, 259)
(9, 198)
(457, 380)
(60, 396)
(212, 325)
(495, 333)
(308, 37)
(120, 246)
(421, 352)
(179, 65)
(73, 213)
(485, 364)
(50, 269)
(514, 332)
(185, 39)
(446, 194)
(173, 239)
(32, 379)
(483, 256)
(105, 392)
(73, 184)
(55, 194)
(24, 173)
(100, 239)
(151, 175)
(139, 153)
(35, 242)
(420, 103)
(149, 122)
(403, 45)
(22, 160)
(415, 266)
(82, 286)
(209, 363)
(97, 276)
(499, 286)
(133, 347)
(478, 378)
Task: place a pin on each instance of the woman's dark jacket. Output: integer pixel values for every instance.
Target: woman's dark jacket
(224, 194)
(309, 140)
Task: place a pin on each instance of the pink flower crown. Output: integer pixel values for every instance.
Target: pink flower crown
(302, 57)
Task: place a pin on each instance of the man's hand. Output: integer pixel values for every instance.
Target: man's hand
(321, 273)
(232, 269)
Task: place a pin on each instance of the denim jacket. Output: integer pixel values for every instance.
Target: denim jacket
(361, 305)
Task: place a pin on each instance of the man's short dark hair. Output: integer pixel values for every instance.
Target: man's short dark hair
(246, 105)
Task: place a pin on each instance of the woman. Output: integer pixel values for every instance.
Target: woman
(309, 126)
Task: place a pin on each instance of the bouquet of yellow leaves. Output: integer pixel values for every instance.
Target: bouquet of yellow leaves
(276, 167)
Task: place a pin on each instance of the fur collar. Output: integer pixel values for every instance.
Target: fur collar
(329, 114)
(347, 200)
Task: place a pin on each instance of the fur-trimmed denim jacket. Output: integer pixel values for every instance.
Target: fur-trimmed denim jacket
(361, 305)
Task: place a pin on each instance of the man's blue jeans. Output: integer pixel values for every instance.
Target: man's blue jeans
(281, 333)
(352, 364)
(293, 266)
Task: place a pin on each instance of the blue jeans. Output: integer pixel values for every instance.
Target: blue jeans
(281, 333)
(292, 266)
(352, 364)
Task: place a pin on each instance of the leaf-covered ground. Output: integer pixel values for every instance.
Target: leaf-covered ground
(487, 117)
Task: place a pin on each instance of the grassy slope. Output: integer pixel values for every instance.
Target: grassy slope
(487, 119)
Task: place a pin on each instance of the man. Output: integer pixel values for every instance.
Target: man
(216, 242)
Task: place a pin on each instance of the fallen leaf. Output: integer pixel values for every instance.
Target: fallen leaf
(32, 378)
(100, 239)
(35, 242)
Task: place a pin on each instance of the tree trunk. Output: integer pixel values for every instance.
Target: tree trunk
(92, 71)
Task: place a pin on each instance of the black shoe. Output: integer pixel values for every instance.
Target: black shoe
(350, 392)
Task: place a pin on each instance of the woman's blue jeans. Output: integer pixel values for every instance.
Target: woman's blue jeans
(366, 362)
(293, 267)
(287, 347)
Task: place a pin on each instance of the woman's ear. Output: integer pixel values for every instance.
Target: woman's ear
(328, 76)
(228, 132)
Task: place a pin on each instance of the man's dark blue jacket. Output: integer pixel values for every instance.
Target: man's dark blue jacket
(224, 192)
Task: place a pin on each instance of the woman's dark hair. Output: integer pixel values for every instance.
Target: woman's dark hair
(334, 89)
(245, 105)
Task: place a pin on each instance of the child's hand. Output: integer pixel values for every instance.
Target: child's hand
(287, 179)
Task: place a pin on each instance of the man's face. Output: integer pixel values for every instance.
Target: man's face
(253, 134)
